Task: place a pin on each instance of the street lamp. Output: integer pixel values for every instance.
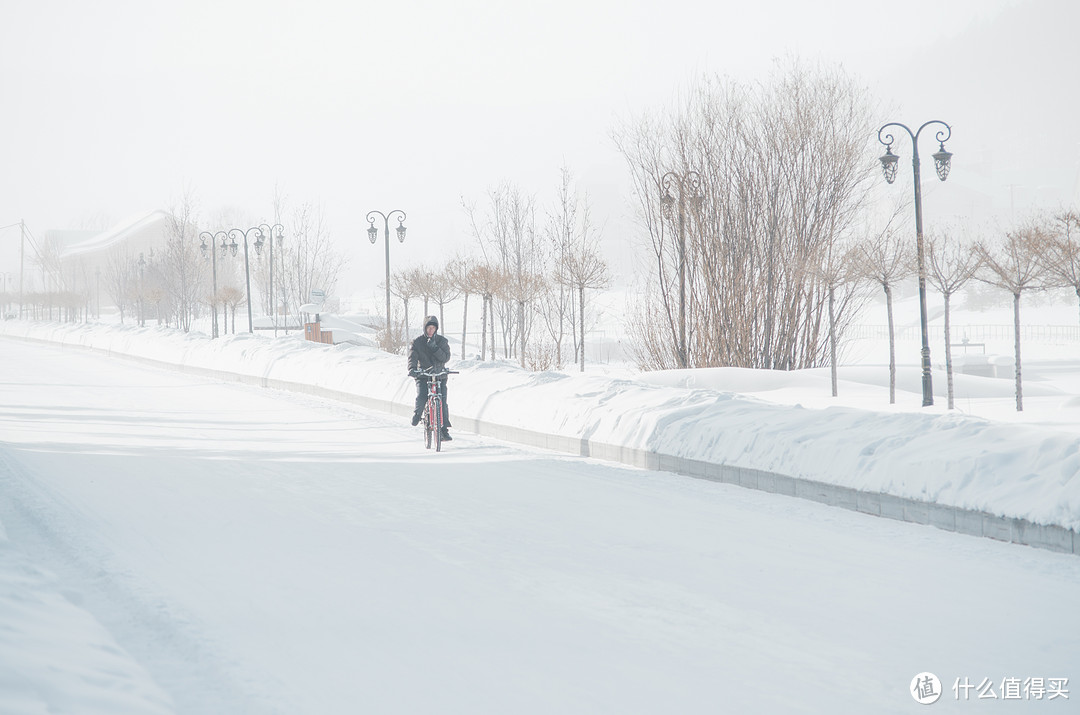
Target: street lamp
(689, 187)
(211, 249)
(373, 236)
(942, 164)
(270, 238)
(247, 264)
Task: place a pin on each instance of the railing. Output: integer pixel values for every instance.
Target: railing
(1035, 333)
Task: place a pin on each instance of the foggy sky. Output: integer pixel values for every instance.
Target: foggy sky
(114, 108)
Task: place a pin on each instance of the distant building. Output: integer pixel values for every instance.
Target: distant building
(82, 257)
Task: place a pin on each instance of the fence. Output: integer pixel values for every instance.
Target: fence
(599, 347)
(1028, 333)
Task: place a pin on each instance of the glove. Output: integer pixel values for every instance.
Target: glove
(414, 373)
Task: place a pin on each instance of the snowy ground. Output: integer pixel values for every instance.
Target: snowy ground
(178, 544)
(982, 456)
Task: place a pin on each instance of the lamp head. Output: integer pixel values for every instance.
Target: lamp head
(942, 162)
(888, 164)
(373, 233)
(667, 204)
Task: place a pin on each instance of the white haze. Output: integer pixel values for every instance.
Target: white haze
(118, 107)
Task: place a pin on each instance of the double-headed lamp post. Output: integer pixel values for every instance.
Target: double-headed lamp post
(269, 233)
(690, 188)
(247, 265)
(942, 163)
(373, 236)
(209, 250)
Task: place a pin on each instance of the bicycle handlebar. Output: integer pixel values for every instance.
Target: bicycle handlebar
(427, 373)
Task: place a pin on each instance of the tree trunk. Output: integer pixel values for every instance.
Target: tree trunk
(832, 338)
(464, 325)
(491, 323)
(483, 326)
(521, 329)
(581, 306)
(948, 352)
(892, 346)
(1016, 332)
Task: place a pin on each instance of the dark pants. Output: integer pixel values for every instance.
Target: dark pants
(422, 395)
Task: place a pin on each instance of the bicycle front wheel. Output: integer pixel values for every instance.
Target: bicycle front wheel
(435, 418)
(429, 427)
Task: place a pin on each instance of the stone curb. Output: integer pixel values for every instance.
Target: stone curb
(948, 518)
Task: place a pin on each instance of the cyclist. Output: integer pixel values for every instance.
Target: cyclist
(430, 351)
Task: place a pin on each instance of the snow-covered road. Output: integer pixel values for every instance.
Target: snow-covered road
(178, 544)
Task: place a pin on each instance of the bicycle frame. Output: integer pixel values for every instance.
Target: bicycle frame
(433, 410)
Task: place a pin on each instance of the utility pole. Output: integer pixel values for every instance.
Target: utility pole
(22, 263)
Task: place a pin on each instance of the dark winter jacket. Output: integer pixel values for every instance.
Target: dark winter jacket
(433, 352)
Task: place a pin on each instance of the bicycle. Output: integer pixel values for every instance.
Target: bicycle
(433, 410)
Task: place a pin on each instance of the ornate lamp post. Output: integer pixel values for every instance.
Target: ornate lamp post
(689, 187)
(269, 233)
(247, 265)
(373, 236)
(210, 251)
(942, 163)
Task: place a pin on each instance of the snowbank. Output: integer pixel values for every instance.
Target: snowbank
(942, 458)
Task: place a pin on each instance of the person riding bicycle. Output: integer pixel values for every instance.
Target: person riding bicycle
(430, 351)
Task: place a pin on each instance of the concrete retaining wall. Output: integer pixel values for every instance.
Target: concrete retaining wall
(948, 518)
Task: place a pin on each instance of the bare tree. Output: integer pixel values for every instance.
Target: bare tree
(444, 289)
(424, 282)
(232, 298)
(308, 257)
(886, 259)
(771, 175)
(487, 282)
(949, 265)
(181, 265)
(1062, 258)
(582, 269)
(836, 272)
(510, 242)
(118, 275)
(404, 286)
(458, 271)
(557, 302)
(1014, 265)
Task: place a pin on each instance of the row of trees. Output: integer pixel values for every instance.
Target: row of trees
(531, 275)
(175, 283)
(755, 202)
(1042, 253)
